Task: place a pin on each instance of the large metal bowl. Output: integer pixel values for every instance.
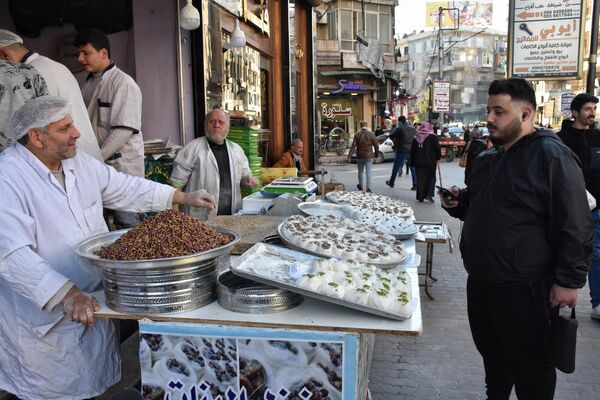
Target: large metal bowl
(164, 285)
(88, 248)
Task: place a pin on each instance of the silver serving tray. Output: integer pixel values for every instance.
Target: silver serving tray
(280, 254)
(328, 197)
(302, 249)
(318, 208)
(87, 250)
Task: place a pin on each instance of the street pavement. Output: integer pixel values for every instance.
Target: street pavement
(443, 362)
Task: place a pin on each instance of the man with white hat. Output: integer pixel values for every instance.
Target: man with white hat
(52, 197)
(60, 82)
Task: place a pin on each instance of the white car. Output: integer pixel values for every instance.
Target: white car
(386, 153)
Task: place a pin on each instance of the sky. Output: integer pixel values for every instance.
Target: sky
(410, 15)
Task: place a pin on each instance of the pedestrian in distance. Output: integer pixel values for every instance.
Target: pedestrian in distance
(366, 146)
(526, 243)
(425, 152)
(584, 139)
(402, 137)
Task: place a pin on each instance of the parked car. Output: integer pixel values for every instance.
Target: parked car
(455, 131)
(386, 153)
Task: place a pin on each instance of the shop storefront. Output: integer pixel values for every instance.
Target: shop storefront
(265, 82)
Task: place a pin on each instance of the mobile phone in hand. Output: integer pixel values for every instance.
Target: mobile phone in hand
(448, 195)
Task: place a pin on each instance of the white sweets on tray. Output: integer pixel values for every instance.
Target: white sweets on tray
(356, 285)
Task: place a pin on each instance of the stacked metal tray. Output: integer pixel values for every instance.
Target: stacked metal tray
(165, 285)
(239, 294)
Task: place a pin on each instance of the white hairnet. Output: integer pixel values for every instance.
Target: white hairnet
(7, 38)
(38, 112)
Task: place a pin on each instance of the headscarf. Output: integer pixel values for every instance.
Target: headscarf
(37, 113)
(424, 130)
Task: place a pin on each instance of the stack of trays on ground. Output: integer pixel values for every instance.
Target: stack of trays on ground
(290, 184)
(371, 202)
(362, 286)
(331, 236)
(247, 138)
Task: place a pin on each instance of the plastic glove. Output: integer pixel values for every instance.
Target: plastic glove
(79, 306)
(201, 198)
(249, 181)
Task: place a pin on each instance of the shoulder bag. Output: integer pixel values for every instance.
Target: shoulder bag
(464, 159)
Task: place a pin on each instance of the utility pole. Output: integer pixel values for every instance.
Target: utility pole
(440, 54)
(593, 48)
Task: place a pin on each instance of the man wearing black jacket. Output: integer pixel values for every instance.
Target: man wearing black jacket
(584, 140)
(402, 137)
(526, 243)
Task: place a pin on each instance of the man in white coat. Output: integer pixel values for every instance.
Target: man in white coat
(51, 347)
(114, 105)
(59, 81)
(214, 164)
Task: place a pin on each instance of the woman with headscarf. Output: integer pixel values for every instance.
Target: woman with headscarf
(424, 155)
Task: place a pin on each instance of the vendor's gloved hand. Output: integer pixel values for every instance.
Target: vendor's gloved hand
(79, 306)
(249, 181)
(201, 198)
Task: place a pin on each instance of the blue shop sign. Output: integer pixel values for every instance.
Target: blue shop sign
(348, 85)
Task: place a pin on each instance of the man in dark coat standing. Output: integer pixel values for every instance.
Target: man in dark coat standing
(584, 139)
(526, 243)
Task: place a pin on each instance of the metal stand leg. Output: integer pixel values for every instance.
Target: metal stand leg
(428, 270)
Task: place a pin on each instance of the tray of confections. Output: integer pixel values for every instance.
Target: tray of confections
(331, 236)
(356, 285)
(368, 201)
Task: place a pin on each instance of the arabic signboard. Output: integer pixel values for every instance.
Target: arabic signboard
(565, 102)
(346, 85)
(441, 96)
(194, 362)
(546, 39)
(471, 13)
(336, 109)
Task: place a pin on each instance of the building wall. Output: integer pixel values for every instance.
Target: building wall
(147, 52)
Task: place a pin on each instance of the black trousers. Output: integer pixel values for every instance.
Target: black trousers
(510, 325)
(425, 182)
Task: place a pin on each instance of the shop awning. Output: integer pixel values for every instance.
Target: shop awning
(354, 72)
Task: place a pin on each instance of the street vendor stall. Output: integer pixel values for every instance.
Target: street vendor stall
(451, 147)
(307, 335)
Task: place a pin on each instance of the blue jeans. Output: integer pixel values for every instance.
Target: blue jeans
(401, 158)
(362, 163)
(594, 274)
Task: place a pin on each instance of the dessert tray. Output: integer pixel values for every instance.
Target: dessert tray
(329, 236)
(371, 202)
(356, 285)
(400, 228)
(319, 208)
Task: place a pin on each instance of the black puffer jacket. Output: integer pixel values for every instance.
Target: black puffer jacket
(526, 214)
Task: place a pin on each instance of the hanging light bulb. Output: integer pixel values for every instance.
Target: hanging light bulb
(238, 37)
(189, 17)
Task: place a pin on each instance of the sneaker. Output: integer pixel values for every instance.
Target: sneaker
(413, 188)
(368, 190)
(358, 187)
(430, 199)
(596, 312)
(389, 184)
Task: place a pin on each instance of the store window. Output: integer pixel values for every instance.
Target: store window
(236, 79)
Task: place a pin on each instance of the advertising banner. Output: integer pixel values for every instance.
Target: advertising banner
(195, 362)
(565, 103)
(471, 13)
(441, 96)
(546, 39)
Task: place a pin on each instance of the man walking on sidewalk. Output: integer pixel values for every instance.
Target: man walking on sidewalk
(584, 139)
(402, 137)
(364, 142)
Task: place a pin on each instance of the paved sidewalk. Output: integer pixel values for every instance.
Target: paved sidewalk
(443, 363)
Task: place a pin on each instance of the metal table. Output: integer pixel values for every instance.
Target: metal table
(431, 236)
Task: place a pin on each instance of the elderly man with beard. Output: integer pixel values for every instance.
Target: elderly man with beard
(214, 164)
(526, 243)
